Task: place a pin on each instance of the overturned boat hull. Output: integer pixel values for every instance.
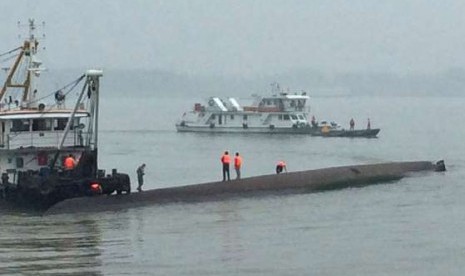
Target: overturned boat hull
(293, 182)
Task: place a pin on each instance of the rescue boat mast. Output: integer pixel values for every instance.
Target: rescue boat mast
(27, 57)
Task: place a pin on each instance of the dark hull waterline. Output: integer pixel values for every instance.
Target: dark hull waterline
(292, 182)
(363, 133)
(367, 133)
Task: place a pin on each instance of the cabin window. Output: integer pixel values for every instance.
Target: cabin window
(20, 125)
(232, 117)
(213, 117)
(286, 117)
(19, 162)
(280, 117)
(301, 117)
(41, 124)
(60, 123)
(245, 117)
(294, 117)
(76, 124)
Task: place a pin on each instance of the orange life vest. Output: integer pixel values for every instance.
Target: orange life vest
(69, 163)
(237, 161)
(225, 159)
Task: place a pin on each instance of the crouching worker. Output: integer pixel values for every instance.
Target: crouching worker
(280, 167)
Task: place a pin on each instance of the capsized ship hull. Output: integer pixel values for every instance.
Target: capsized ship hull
(292, 182)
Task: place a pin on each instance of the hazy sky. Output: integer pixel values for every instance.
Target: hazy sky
(245, 36)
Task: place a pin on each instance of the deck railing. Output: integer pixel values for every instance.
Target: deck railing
(43, 139)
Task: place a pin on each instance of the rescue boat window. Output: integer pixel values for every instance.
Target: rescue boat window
(20, 125)
(280, 117)
(19, 162)
(60, 123)
(301, 117)
(75, 125)
(294, 117)
(232, 117)
(286, 117)
(41, 124)
(245, 117)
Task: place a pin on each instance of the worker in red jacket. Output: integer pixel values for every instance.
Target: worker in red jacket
(238, 165)
(70, 162)
(280, 167)
(225, 160)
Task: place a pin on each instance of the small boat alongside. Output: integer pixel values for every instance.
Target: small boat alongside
(332, 129)
(278, 113)
(38, 133)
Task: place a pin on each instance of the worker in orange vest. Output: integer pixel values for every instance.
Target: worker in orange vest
(70, 162)
(226, 160)
(280, 167)
(237, 165)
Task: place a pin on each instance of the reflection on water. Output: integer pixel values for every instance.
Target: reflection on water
(38, 245)
(232, 249)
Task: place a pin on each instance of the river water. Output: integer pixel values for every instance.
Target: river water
(414, 226)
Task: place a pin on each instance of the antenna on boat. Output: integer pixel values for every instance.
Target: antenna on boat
(33, 67)
(92, 87)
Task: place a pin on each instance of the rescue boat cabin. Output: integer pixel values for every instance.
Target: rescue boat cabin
(29, 139)
(277, 113)
(282, 109)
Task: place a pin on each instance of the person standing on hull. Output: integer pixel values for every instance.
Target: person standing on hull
(280, 167)
(352, 124)
(226, 160)
(237, 165)
(140, 176)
